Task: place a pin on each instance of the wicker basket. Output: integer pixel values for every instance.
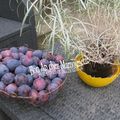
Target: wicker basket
(51, 95)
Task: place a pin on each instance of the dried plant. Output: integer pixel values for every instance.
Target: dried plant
(97, 35)
(52, 14)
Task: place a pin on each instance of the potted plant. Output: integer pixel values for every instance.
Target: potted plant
(98, 40)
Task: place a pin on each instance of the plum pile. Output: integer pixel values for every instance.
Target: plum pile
(16, 78)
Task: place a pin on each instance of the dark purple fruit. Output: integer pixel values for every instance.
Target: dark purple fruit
(42, 73)
(21, 55)
(29, 54)
(36, 75)
(30, 79)
(44, 55)
(50, 56)
(39, 84)
(23, 49)
(57, 80)
(8, 78)
(2, 85)
(37, 53)
(6, 53)
(14, 50)
(4, 60)
(33, 95)
(0, 57)
(21, 79)
(52, 63)
(51, 73)
(11, 89)
(15, 56)
(21, 69)
(47, 80)
(31, 68)
(36, 60)
(26, 61)
(43, 96)
(43, 62)
(52, 87)
(3, 69)
(62, 74)
(12, 64)
(24, 90)
(59, 58)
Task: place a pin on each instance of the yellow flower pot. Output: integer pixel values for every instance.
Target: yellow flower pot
(95, 81)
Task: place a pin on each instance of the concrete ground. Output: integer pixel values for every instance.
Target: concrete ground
(3, 116)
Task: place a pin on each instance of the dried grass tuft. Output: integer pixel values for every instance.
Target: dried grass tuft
(98, 35)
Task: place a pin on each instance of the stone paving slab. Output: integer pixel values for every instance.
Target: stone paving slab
(3, 116)
(20, 110)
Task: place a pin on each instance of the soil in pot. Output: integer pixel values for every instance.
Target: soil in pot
(99, 70)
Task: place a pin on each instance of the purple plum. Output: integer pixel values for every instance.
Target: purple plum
(39, 84)
(0, 57)
(51, 73)
(42, 72)
(62, 74)
(30, 79)
(21, 55)
(47, 80)
(43, 96)
(52, 62)
(6, 53)
(44, 55)
(31, 68)
(11, 89)
(15, 55)
(14, 50)
(26, 61)
(59, 58)
(21, 79)
(37, 53)
(3, 69)
(24, 90)
(8, 78)
(21, 69)
(53, 66)
(2, 85)
(43, 62)
(23, 49)
(50, 56)
(4, 60)
(36, 75)
(36, 60)
(57, 80)
(52, 87)
(12, 64)
(29, 54)
(34, 95)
